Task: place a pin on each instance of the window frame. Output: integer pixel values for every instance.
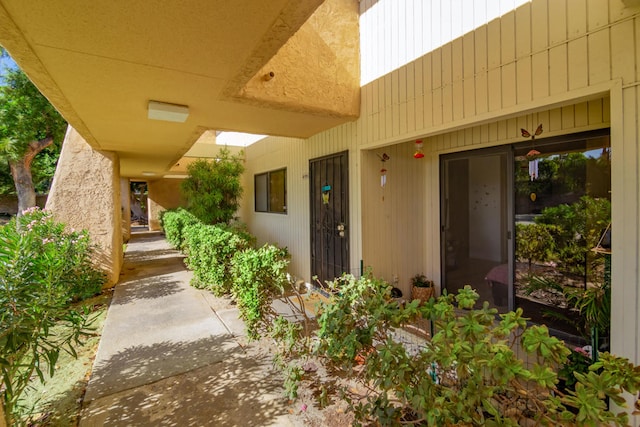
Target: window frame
(268, 188)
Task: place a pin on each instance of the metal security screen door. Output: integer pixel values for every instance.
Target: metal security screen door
(329, 181)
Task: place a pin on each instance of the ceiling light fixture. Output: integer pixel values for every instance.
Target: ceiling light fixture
(168, 112)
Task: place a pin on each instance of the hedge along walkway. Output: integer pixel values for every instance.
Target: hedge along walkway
(174, 355)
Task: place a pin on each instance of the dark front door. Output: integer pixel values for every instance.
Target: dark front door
(329, 180)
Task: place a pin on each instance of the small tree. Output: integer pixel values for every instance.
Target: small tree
(28, 125)
(213, 188)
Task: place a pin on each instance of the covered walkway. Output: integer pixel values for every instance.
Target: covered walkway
(172, 355)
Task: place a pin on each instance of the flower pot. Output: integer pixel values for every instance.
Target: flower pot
(422, 293)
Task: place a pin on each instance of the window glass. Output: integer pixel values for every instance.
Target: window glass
(271, 191)
(261, 192)
(562, 213)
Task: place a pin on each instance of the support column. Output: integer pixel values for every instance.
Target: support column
(125, 200)
(85, 194)
(163, 194)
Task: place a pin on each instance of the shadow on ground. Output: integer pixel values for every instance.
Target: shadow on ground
(234, 388)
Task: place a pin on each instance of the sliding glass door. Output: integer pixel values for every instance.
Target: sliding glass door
(526, 225)
(475, 223)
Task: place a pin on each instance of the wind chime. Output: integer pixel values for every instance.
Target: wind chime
(532, 157)
(383, 172)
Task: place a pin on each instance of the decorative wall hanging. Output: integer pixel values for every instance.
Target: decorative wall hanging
(532, 156)
(383, 177)
(326, 191)
(526, 133)
(418, 153)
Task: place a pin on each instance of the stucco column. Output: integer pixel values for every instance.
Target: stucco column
(163, 194)
(125, 200)
(85, 194)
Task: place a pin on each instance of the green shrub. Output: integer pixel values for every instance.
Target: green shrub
(210, 249)
(577, 229)
(259, 276)
(213, 188)
(174, 222)
(43, 268)
(471, 372)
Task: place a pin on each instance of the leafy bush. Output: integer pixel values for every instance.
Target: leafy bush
(213, 188)
(471, 371)
(210, 249)
(259, 276)
(534, 242)
(577, 229)
(173, 222)
(43, 269)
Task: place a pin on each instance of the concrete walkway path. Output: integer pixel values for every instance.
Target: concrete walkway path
(172, 355)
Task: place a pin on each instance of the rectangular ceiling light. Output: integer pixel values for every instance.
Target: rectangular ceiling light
(168, 112)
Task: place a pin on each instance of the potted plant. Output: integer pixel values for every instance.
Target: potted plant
(422, 288)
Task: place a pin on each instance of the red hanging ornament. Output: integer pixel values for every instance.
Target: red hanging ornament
(418, 153)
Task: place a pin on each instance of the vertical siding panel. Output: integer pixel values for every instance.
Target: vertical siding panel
(558, 69)
(410, 80)
(457, 64)
(598, 14)
(524, 80)
(436, 107)
(436, 69)
(595, 111)
(576, 18)
(495, 92)
(447, 103)
(446, 64)
(419, 91)
(480, 47)
(577, 61)
(581, 115)
(568, 117)
(540, 75)
(606, 110)
(543, 118)
(401, 75)
(539, 18)
(411, 102)
(637, 50)
(493, 131)
(469, 97)
(481, 95)
(458, 100)
(622, 63)
(468, 55)
(428, 90)
(555, 120)
(512, 128)
(493, 41)
(557, 21)
(599, 59)
(508, 37)
(523, 30)
(509, 85)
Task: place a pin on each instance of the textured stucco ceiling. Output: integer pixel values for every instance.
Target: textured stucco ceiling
(101, 62)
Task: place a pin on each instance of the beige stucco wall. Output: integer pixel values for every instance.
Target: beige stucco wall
(85, 194)
(318, 69)
(163, 194)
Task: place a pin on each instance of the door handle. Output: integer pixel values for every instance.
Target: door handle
(340, 229)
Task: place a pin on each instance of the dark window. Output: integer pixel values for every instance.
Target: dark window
(271, 191)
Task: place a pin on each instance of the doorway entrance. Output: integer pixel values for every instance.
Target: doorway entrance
(475, 223)
(329, 182)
